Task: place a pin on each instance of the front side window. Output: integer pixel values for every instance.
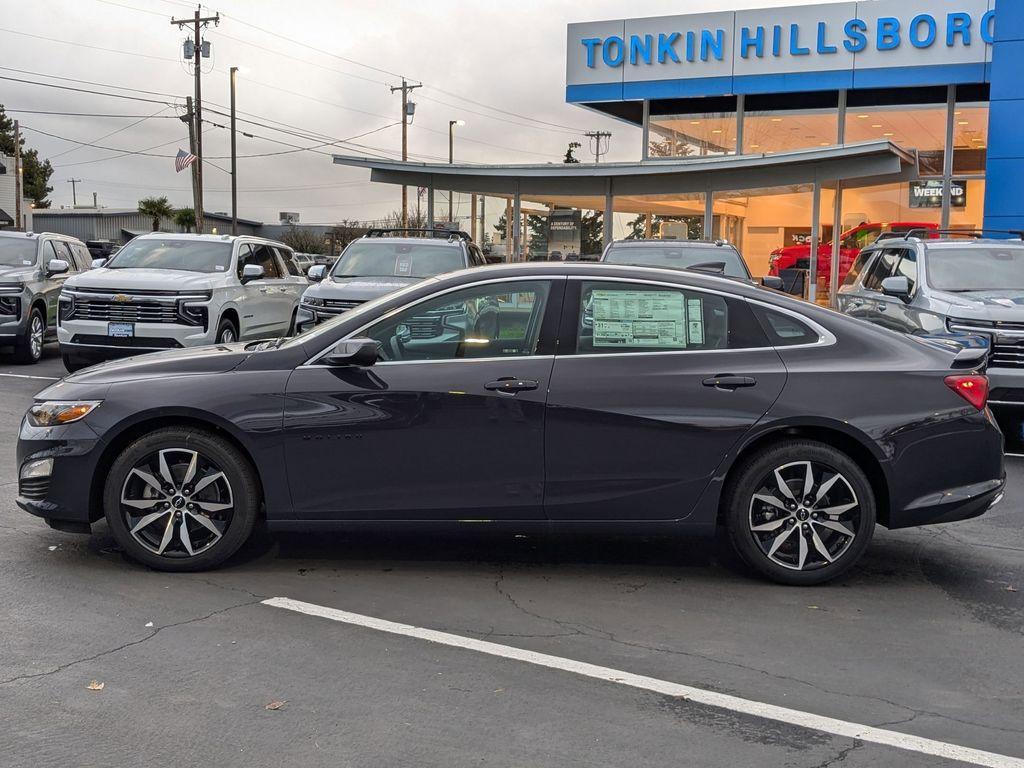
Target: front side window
(380, 258)
(881, 269)
(495, 320)
(187, 255)
(907, 268)
(633, 317)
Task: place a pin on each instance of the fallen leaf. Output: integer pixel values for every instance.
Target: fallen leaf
(275, 705)
(1010, 588)
(814, 607)
(149, 623)
(95, 685)
(52, 547)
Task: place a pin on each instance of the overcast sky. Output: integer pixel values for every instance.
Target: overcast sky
(504, 55)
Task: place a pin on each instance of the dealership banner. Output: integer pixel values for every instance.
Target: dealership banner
(871, 44)
(927, 193)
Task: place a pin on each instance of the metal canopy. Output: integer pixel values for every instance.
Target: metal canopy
(854, 164)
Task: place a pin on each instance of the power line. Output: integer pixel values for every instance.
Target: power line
(86, 45)
(108, 135)
(87, 114)
(84, 90)
(148, 92)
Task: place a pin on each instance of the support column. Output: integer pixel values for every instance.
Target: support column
(812, 275)
(837, 245)
(508, 229)
(472, 218)
(648, 225)
(646, 133)
(741, 117)
(709, 213)
(517, 227)
(609, 212)
(430, 202)
(947, 161)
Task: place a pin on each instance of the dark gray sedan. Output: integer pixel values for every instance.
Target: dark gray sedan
(577, 396)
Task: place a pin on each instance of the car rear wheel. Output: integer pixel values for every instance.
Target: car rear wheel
(800, 512)
(73, 362)
(29, 347)
(181, 499)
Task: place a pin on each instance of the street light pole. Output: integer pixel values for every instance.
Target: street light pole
(234, 158)
(451, 158)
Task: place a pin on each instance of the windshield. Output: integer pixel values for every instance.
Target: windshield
(976, 269)
(379, 258)
(678, 258)
(17, 252)
(189, 255)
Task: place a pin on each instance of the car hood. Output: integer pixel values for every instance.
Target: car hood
(143, 279)
(359, 288)
(16, 274)
(1005, 306)
(216, 358)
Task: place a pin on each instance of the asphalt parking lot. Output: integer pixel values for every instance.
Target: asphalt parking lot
(923, 640)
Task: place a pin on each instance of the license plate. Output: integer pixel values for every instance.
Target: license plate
(121, 330)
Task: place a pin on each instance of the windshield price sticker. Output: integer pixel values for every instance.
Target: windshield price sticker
(645, 319)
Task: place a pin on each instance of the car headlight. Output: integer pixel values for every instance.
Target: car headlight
(312, 301)
(54, 413)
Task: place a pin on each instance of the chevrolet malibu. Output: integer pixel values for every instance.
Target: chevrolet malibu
(576, 396)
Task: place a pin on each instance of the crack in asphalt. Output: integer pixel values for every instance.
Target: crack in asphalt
(130, 644)
(574, 629)
(841, 756)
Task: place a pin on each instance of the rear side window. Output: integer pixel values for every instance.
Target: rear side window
(858, 267)
(784, 330)
(632, 317)
(289, 262)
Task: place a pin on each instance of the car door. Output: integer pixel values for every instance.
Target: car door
(896, 314)
(449, 424)
(878, 308)
(52, 284)
(653, 385)
(851, 298)
(292, 283)
(257, 311)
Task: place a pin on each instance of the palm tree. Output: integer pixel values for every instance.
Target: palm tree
(185, 218)
(156, 208)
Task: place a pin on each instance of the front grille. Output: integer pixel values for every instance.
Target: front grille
(130, 342)
(424, 327)
(10, 305)
(1007, 353)
(340, 305)
(34, 488)
(133, 312)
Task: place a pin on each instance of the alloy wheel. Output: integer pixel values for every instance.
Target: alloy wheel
(35, 336)
(177, 503)
(805, 515)
(227, 336)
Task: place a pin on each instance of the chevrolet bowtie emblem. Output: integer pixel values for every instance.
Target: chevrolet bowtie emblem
(121, 298)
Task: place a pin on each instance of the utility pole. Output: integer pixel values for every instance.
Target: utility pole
(17, 176)
(189, 118)
(199, 50)
(405, 88)
(234, 158)
(74, 191)
(600, 142)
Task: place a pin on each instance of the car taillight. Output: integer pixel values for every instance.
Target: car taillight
(973, 389)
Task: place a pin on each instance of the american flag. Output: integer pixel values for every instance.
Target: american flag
(183, 160)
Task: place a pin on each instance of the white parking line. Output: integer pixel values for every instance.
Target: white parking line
(698, 695)
(26, 376)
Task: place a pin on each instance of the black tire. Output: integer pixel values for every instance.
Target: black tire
(214, 454)
(227, 331)
(73, 362)
(28, 348)
(797, 559)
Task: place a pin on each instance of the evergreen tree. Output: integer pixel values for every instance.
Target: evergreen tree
(35, 174)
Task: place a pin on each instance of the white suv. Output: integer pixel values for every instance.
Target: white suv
(168, 291)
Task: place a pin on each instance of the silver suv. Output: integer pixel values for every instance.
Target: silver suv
(939, 286)
(168, 291)
(33, 268)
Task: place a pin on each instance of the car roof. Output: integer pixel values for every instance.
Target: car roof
(446, 241)
(208, 238)
(10, 233)
(667, 243)
(940, 243)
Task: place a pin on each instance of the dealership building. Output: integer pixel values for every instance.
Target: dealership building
(782, 126)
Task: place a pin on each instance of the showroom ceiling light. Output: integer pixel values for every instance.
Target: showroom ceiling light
(862, 117)
(877, 125)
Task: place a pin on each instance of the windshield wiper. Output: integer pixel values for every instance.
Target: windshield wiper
(709, 266)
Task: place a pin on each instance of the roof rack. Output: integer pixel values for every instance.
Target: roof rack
(970, 232)
(450, 234)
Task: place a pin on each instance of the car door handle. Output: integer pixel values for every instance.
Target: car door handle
(729, 382)
(510, 385)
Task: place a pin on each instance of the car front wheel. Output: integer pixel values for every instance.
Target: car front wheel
(226, 332)
(181, 499)
(29, 348)
(800, 512)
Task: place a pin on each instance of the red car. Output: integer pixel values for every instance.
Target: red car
(799, 256)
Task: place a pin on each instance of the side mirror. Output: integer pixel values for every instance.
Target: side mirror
(317, 272)
(897, 287)
(252, 272)
(57, 267)
(97, 263)
(358, 352)
(773, 282)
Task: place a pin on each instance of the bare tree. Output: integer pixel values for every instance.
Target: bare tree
(304, 240)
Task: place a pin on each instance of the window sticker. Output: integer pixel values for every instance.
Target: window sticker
(695, 321)
(644, 319)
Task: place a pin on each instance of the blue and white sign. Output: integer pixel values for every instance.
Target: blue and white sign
(877, 43)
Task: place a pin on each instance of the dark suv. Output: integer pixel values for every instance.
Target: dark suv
(383, 261)
(713, 256)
